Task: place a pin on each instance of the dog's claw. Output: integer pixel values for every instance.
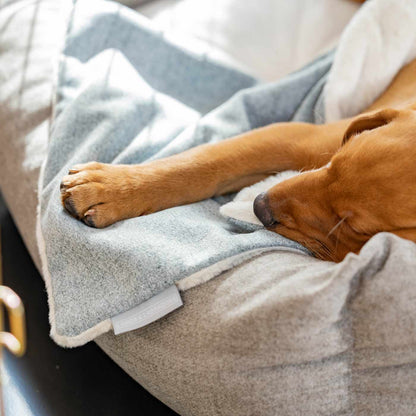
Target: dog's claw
(87, 220)
(70, 207)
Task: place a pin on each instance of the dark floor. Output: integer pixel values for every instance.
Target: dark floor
(52, 381)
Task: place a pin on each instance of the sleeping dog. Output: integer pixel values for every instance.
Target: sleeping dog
(359, 177)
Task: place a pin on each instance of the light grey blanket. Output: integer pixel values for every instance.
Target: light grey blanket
(126, 95)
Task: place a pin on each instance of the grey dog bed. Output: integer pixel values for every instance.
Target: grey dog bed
(282, 333)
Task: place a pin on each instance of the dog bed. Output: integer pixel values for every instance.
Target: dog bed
(281, 333)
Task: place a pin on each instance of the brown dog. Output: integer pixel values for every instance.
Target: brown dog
(364, 180)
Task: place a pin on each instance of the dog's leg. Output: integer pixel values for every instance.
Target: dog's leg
(101, 194)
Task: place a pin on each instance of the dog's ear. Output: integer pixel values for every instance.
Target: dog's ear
(369, 121)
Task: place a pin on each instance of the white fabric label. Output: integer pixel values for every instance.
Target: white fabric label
(148, 311)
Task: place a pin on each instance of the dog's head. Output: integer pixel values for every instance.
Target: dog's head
(368, 187)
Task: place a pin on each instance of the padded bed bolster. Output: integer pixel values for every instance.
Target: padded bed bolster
(32, 33)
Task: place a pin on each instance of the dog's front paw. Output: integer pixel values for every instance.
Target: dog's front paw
(99, 194)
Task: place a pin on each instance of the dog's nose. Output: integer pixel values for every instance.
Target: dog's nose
(262, 210)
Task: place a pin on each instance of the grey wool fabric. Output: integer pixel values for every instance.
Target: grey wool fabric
(126, 95)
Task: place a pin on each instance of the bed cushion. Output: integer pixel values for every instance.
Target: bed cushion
(31, 34)
(267, 38)
(279, 336)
